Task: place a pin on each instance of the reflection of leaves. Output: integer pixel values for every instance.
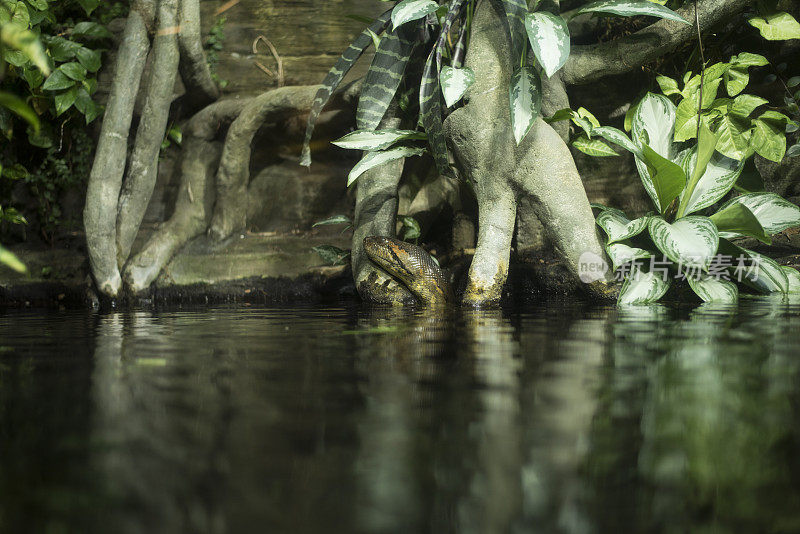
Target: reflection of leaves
(331, 254)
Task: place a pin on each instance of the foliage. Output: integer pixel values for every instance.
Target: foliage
(49, 150)
(213, 46)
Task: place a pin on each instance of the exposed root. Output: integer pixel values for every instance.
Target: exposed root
(201, 89)
(279, 75)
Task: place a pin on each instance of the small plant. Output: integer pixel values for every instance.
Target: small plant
(213, 46)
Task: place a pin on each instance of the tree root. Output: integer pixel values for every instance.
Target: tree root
(201, 89)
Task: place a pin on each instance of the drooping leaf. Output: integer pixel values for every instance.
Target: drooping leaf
(620, 254)
(777, 26)
(593, 147)
(18, 106)
(642, 287)
(653, 124)
(516, 10)
(374, 159)
(376, 139)
(719, 177)
(774, 213)
(65, 99)
(91, 29)
(334, 78)
(525, 97)
(618, 227)
(667, 178)
(385, 74)
(712, 289)
(27, 43)
(549, 38)
(455, 83)
(90, 59)
(627, 8)
(737, 76)
(409, 10)
(690, 241)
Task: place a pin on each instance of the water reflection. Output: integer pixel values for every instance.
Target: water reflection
(555, 419)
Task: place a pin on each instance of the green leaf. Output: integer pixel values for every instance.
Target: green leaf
(667, 178)
(737, 218)
(620, 254)
(19, 107)
(793, 151)
(793, 277)
(618, 227)
(593, 147)
(57, 81)
(63, 49)
(27, 43)
(374, 159)
(89, 5)
(744, 105)
(336, 219)
(330, 254)
(768, 137)
(719, 177)
(642, 287)
(691, 241)
(627, 8)
(549, 38)
(525, 97)
(765, 275)
(653, 124)
(90, 59)
(65, 99)
(712, 289)
(376, 139)
(618, 137)
(91, 29)
(411, 229)
(409, 10)
(777, 26)
(10, 260)
(74, 70)
(734, 137)
(668, 85)
(516, 10)
(774, 213)
(455, 83)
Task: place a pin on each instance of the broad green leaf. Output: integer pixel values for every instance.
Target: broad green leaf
(642, 288)
(653, 124)
(525, 96)
(455, 83)
(90, 59)
(374, 159)
(736, 79)
(91, 29)
(620, 254)
(618, 227)
(409, 10)
(618, 137)
(666, 177)
(768, 137)
(690, 241)
(793, 277)
(330, 254)
(376, 139)
(719, 177)
(712, 289)
(737, 219)
(734, 137)
(748, 59)
(586, 114)
(10, 260)
(744, 105)
(64, 99)
(593, 147)
(18, 106)
(57, 81)
(793, 151)
(775, 213)
(62, 49)
(668, 85)
(777, 26)
(627, 8)
(549, 37)
(411, 228)
(74, 70)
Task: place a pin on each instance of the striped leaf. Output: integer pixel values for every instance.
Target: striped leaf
(666, 177)
(627, 8)
(618, 137)
(516, 11)
(335, 76)
(737, 220)
(620, 254)
(765, 274)
(689, 241)
(719, 177)
(793, 277)
(549, 37)
(618, 227)
(642, 288)
(525, 97)
(409, 10)
(593, 147)
(384, 75)
(653, 124)
(374, 159)
(712, 289)
(455, 83)
(774, 213)
(376, 139)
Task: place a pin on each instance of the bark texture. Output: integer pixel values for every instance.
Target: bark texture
(201, 89)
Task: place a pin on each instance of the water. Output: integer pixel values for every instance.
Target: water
(559, 418)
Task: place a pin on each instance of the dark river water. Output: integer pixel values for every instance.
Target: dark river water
(558, 418)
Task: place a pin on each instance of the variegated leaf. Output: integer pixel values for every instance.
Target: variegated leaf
(409, 10)
(712, 289)
(627, 8)
(653, 124)
(376, 139)
(593, 147)
(773, 212)
(719, 178)
(620, 254)
(525, 96)
(793, 277)
(618, 137)
(618, 227)
(549, 37)
(765, 274)
(642, 288)
(455, 83)
(689, 241)
(737, 220)
(515, 16)
(374, 159)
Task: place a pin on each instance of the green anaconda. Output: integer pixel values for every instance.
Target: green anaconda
(413, 267)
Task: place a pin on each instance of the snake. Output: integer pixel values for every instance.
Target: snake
(413, 267)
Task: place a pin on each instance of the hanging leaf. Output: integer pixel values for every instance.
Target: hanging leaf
(690, 241)
(409, 10)
(642, 287)
(653, 124)
(666, 178)
(712, 289)
(737, 219)
(593, 147)
(774, 213)
(334, 78)
(618, 227)
(18, 106)
(516, 10)
(549, 37)
(625, 8)
(620, 254)
(455, 83)
(376, 139)
(525, 96)
(777, 26)
(374, 159)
